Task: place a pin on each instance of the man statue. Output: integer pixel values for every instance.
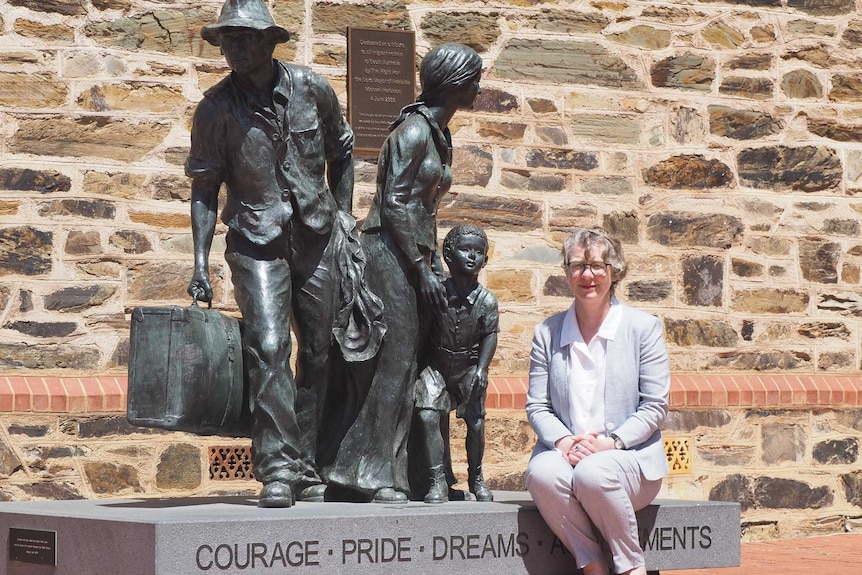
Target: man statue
(273, 133)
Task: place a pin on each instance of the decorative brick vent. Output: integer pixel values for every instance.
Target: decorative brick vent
(678, 451)
(230, 462)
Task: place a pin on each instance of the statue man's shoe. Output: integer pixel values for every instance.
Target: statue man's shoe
(313, 493)
(275, 494)
(389, 495)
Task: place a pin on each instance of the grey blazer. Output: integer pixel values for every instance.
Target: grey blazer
(637, 384)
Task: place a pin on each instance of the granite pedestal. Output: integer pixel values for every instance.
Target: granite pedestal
(232, 535)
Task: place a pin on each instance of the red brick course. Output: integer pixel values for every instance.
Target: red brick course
(107, 393)
(63, 394)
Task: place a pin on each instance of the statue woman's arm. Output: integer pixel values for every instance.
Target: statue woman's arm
(408, 149)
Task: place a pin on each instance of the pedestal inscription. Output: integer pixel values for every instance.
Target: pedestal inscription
(232, 535)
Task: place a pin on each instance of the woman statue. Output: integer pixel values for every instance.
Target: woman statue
(599, 384)
(404, 269)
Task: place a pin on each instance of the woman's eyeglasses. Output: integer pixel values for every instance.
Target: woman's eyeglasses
(596, 268)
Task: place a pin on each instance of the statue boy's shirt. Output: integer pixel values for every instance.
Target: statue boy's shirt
(271, 155)
(448, 381)
(466, 322)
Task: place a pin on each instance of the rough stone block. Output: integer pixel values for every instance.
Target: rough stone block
(31, 90)
(563, 62)
(754, 88)
(332, 18)
(801, 84)
(568, 22)
(34, 180)
(74, 299)
(86, 137)
(649, 290)
(688, 172)
(49, 356)
(643, 36)
(780, 168)
(837, 451)
(25, 251)
(478, 31)
(174, 32)
(688, 71)
(694, 332)
(831, 8)
(741, 124)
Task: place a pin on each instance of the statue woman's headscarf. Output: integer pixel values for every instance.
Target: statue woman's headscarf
(444, 68)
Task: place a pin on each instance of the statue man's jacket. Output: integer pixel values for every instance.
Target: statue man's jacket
(271, 154)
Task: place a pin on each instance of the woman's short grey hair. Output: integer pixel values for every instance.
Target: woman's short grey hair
(596, 240)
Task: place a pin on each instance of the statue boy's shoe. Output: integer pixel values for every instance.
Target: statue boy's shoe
(275, 494)
(438, 492)
(480, 490)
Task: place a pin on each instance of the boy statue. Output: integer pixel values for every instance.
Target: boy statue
(463, 342)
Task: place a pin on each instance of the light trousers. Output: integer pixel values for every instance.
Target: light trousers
(593, 501)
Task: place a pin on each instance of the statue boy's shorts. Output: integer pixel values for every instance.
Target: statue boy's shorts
(447, 384)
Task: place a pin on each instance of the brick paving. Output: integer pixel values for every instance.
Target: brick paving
(828, 555)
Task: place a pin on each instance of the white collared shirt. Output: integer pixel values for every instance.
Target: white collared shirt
(587, 370)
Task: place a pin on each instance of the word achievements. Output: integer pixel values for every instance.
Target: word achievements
(381, 79)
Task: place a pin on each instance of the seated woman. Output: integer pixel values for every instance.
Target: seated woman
(599, 384)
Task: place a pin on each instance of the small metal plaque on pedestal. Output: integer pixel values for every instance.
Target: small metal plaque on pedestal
(33, 546)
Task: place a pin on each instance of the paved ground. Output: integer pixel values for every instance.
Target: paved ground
(831, 555)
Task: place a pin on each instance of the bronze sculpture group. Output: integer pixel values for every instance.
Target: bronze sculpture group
(384, 341)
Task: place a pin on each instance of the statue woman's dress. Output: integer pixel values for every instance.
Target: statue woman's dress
(399, 232)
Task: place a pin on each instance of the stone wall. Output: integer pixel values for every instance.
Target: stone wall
(793, 471)
(719, 140)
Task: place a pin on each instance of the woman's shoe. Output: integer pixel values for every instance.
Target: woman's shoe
(389, 495)
(313, 493)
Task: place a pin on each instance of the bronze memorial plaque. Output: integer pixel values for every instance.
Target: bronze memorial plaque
(33, 546)
(381, 79)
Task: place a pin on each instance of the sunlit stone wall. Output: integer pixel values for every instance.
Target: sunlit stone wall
(719, 140)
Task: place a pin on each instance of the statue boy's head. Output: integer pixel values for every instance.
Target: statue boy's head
(244, 16)
(465, 250)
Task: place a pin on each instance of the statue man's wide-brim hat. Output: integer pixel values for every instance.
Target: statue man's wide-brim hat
(252, 14)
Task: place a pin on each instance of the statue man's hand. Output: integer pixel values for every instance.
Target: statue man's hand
(200, 288)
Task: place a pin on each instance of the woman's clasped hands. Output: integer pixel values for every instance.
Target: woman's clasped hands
(574, 448)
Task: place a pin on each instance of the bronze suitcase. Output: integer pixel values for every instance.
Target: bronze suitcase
(186, 371)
